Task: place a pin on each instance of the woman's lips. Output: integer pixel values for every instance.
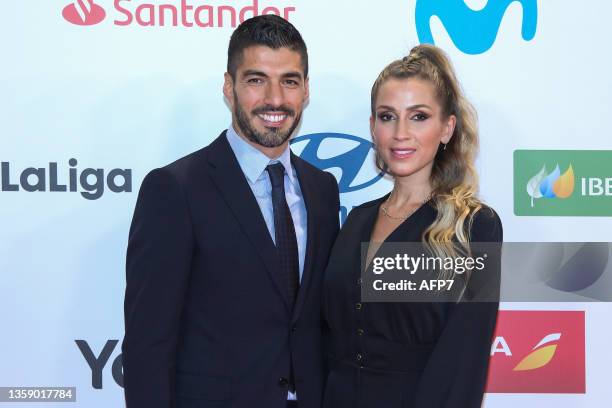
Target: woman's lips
(402, 153)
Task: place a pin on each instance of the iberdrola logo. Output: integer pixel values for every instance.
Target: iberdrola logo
(541, 354)
(551, 185)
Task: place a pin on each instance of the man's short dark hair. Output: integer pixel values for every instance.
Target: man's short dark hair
(268, 30)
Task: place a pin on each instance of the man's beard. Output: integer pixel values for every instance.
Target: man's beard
(271, 137)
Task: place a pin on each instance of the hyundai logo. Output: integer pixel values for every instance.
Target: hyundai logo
(349, 155)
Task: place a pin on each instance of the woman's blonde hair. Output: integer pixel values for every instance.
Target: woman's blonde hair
(453, 176)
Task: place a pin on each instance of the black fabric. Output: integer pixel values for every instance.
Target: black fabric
(284, 231)
(408, 355)
(207, 318)
(286, 241)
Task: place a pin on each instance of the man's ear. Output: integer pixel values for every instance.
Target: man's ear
(228, 88)
(307, 89)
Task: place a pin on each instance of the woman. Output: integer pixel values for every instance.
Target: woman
(421, 355)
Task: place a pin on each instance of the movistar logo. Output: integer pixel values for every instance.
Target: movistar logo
(473, 32)
(551, 185)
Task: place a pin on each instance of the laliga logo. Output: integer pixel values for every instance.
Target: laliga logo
(83, 13)
(541, 355)
(473, 32)
(338, 151)
(552, 185)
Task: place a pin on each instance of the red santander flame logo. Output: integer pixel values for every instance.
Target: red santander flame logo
(538, 352)
(83, 13)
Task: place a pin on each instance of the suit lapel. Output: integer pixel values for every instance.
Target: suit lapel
(308, 189)
(233, 186)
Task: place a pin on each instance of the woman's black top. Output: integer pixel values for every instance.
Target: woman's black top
(403, 354)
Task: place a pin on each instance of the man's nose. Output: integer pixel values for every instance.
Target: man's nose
(274, 94)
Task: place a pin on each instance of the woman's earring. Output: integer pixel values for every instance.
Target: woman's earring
(444, 146)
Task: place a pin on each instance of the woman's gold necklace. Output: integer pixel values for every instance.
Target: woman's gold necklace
(404, 217)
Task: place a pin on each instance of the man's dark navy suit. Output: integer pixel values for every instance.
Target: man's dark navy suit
(207, 319)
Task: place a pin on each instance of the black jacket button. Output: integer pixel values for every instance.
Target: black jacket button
(283, 382)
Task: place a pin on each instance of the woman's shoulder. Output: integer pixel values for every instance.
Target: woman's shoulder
(486, 226)
(364, 209)
(372, 203)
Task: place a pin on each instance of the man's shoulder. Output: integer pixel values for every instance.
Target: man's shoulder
(181, 167)
(311, 170)
(192, 164)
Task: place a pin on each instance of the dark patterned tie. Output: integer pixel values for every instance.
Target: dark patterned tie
(286, 241)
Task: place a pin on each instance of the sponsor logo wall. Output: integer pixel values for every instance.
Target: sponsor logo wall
(472, 31)
(101, 92)
(563, 182)
(183, 13)
(538, 352)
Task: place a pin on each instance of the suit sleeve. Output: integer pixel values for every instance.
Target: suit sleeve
(336, 197)
(456, 372)
(157, 270)
(335, 230)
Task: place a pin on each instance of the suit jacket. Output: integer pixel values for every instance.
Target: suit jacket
(207, 321)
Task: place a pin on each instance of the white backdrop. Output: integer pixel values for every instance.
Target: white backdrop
(138, 97)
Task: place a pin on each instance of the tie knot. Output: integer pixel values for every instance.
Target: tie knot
(277, 174)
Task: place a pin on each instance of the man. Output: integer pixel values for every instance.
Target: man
(227, 249)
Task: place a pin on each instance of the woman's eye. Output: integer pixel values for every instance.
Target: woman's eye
(419, 117)
(385, 117)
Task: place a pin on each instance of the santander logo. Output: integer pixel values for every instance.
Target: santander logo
(172, 13)
(83, 13)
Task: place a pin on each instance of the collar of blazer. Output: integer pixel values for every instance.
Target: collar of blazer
(233, 186)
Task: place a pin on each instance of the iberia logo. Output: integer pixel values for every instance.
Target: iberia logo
(551, 185)
(538, 352)
(541, 355)
(83, 13)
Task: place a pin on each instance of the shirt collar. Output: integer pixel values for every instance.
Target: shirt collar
(253, 162)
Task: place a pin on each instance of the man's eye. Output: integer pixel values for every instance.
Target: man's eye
(291, 82)
(255, 80)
